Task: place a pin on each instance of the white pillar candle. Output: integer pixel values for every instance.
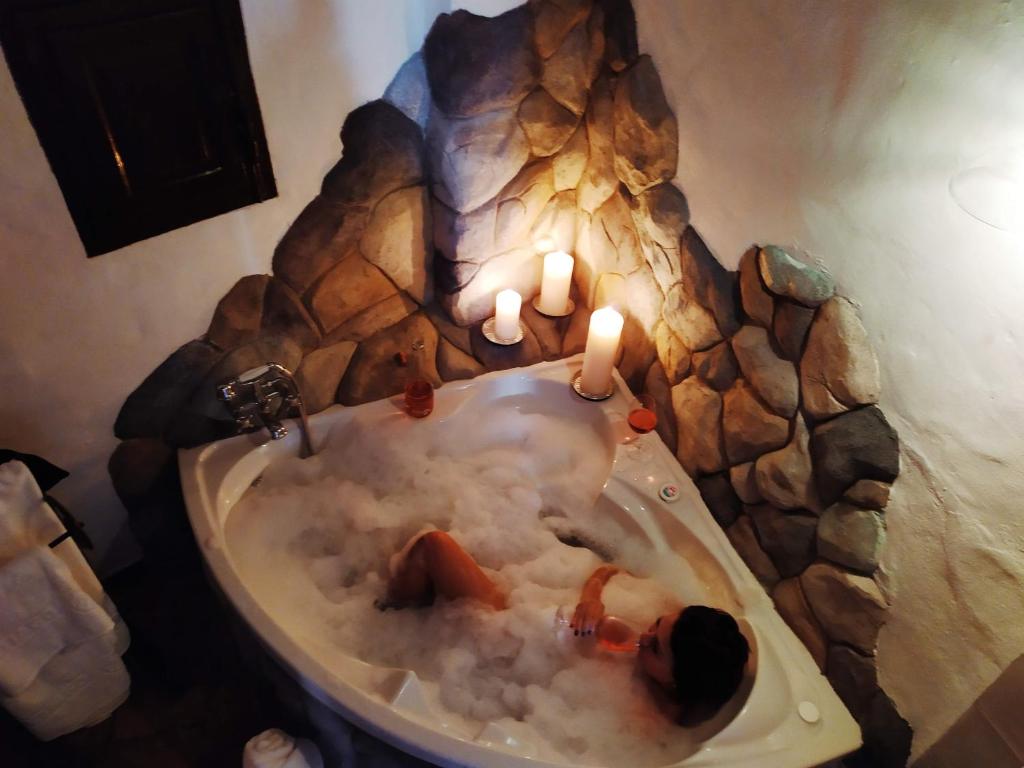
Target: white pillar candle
(506, 314)
(554, 287)
(602, 346)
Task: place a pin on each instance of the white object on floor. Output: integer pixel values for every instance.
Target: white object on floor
(61, 638)
(276, 749)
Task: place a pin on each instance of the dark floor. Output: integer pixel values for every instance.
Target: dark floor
(193, 704)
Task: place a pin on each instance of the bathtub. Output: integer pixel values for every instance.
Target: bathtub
(785, 714)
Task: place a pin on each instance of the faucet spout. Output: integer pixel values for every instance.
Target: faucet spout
(261, 397)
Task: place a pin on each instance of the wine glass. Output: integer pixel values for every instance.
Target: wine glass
(612, 634)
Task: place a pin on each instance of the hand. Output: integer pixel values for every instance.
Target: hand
(589, 613)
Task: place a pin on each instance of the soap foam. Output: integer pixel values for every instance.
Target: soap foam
(313, 541)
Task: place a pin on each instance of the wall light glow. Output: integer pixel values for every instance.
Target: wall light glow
(991, 188)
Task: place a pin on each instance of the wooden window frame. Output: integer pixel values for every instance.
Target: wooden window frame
(248, 179)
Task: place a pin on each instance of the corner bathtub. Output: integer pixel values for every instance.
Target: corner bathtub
(784, 716)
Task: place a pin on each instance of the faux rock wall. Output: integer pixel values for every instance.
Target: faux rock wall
(795, 460)
(545, 123)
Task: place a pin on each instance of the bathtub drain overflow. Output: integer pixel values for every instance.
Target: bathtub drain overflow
(808, 712)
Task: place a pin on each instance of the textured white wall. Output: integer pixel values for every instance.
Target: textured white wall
(835, 128)
(77, 334)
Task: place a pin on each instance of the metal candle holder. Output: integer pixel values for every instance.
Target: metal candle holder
(491, 335)
(570, 307)
(577, 387)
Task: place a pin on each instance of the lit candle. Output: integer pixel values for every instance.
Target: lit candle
(554, 287)
(506, 314)
(602, 346)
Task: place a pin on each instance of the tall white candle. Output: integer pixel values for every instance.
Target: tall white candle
(506, 314)
(554, 287)
(602, 346)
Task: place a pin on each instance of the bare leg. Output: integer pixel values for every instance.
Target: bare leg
(437, 565)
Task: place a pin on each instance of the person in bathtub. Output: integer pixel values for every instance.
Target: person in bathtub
(694, 658)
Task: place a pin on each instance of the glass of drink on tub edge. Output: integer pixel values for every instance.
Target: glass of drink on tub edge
(612, 634)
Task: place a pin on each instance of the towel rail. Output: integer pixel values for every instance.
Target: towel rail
(73, 529)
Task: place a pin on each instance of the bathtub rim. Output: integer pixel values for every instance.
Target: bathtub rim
(435, 744)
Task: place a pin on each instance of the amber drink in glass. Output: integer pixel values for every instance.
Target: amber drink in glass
(419, 393)
(642, 418)
(611, 634)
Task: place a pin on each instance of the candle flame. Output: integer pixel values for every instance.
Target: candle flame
(606, 321)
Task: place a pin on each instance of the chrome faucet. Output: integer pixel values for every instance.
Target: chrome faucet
(261, 397)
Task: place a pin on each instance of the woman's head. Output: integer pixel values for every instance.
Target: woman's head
(699, 654)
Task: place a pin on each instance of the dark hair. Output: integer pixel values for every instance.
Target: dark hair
(708, 657)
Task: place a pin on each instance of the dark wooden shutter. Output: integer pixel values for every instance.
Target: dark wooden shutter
(146, 110)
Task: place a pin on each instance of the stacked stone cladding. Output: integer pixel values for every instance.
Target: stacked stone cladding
(546, 123)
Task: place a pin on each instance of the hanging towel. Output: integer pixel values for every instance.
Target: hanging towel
(27, 521)
(23, 523)
(79, 687)
(276, 749)
(61, 637)
(44, 612)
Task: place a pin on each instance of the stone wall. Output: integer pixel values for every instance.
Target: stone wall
(546, 123)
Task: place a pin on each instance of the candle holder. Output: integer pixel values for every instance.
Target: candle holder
(491, 335)
(570, 307)
(577, 387)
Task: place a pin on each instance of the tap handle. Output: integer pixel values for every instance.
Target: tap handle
(247, 421)
(262, 396)
(227, 392)
(258, 373)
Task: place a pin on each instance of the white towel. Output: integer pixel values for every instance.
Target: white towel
(276, 749)
(44, 613)
(22, 523)
(61, 637)
(79, 687)
(27, 521)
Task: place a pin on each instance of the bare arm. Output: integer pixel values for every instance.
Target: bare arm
(590, 609)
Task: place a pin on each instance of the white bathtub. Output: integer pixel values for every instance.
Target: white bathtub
(785, 715)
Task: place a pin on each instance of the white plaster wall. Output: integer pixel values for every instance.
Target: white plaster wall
(835, 128)
(77, 334)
